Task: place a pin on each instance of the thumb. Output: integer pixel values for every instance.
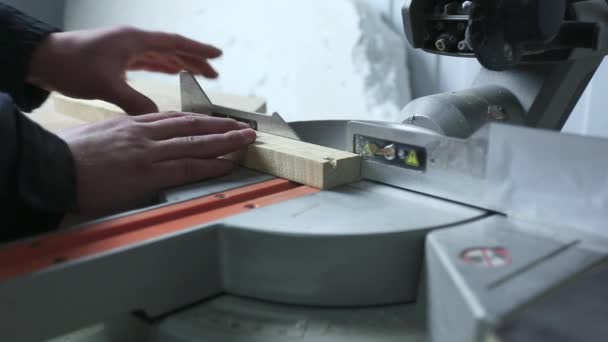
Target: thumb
(130, 100)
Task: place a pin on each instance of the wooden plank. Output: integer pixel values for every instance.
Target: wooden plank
(165, 93)
(85, 110)
(301, 162)
(309, 164)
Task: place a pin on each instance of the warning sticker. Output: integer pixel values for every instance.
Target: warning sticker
(412, 159)
(487, 257)
(392, 153)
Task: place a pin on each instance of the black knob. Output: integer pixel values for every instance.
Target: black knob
(500, 31)
(536, 21)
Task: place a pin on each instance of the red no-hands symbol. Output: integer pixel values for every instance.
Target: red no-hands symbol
(488, 257)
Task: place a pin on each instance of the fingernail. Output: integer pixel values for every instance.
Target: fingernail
(217, 52)
(249, 135)
(243, 125)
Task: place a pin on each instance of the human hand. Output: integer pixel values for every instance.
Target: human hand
(92, 64)
(125, 161)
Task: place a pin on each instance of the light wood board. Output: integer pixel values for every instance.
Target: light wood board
(301, 162)
(317, 166)
(165, 95)
(60, 112)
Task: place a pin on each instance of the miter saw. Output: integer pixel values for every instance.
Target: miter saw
(471, 225)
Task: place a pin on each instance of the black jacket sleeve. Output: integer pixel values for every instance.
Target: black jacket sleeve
(19, 37)
(37, 174)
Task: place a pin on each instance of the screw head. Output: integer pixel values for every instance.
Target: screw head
(440, 44)
(462, 46)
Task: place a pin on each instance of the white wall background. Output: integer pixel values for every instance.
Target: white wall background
(311, 59)
(316, 59)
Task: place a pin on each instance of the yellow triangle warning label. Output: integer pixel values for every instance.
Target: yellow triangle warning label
(412, 159)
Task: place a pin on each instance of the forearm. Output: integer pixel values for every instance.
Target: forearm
(20, 35)
(37, 176)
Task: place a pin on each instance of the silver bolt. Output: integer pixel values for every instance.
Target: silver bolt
(389, 152)
(466, 7)
(463, 46)
(440, 44)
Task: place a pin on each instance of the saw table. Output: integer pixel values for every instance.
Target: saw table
(252, 257)
(468, 224)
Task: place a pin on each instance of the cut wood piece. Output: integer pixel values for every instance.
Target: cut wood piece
(309, 164)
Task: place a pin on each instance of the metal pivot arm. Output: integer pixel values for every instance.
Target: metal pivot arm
(547, 93)
(533, 80)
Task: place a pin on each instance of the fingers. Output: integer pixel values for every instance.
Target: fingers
(156, 61)
(177, 172)
(203, 147)
(178, 53)
(170, 53)
(173, 64)
(174, 43)
(190, 125)
(155, 67)
(129, 99)
(199, 66)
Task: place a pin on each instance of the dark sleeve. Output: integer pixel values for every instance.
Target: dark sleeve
(19, 37)
(37, 174)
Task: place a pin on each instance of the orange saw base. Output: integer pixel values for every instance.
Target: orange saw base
(36, 255)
